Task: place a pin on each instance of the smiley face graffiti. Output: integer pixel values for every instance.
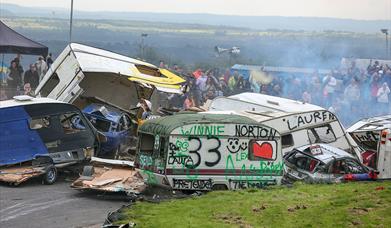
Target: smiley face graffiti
(235, 145)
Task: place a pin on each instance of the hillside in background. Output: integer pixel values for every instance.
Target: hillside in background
(253, 22)
(193, 45)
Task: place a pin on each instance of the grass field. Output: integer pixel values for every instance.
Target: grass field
(338, 205)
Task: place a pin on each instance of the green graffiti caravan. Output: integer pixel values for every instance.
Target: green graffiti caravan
(209, 151)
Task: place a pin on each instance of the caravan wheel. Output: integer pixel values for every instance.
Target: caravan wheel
(50, 175)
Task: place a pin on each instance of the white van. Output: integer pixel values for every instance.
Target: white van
(298, 123)
(209, 152)
(374, 135)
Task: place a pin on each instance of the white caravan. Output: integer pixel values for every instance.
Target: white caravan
(298, 123)
(374, 135)
(82, 74)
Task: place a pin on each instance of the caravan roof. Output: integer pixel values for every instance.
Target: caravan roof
(261, 103)
(372, 124)
(26, 100)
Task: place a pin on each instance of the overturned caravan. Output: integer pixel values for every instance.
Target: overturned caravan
(82, 75)
(209, 152)
(40, 135)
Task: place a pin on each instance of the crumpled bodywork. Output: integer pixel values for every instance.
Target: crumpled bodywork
(321, 163)
(111, 176)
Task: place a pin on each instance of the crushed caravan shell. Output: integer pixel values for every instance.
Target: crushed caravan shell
(110, 176)
(20, 174)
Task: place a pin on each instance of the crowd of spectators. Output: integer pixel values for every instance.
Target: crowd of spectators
(20, 82)
(350, 92)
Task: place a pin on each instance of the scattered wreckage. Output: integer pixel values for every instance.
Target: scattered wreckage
(209, 151)
(116, 125)
(40, 135)
(374, 135)
(110, 176)
(321, 163)
(84, 75)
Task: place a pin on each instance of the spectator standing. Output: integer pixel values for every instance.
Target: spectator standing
(383, 98)
(49, 60)
(189, 102)
(31, 76)
(15, 76)
(352, 95)
(42, 67)
(329, 84)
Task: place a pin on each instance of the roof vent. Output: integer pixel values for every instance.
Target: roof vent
(23, 98)
(273, 102)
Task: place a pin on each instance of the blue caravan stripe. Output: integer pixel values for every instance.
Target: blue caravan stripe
(18, 143)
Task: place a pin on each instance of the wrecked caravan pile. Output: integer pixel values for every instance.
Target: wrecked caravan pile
(85, 76)
(82, 74)
(208, 152)
(374, 135)
(39, 135)
(299, 123)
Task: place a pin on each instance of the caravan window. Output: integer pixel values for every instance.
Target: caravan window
(38, 123)
(50, 85)
(287, 141)
(72, 123)
(146, 143)
(322, 134)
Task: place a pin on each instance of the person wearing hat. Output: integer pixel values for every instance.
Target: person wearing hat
(146, 105)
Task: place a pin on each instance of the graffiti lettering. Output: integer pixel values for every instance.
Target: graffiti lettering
(203, 130)
(254, 131)
(308, 118)
(193, 184)
(145, 161)
(240, 184)
(366, 136)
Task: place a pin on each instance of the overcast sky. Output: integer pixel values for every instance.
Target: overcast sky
(355, 9)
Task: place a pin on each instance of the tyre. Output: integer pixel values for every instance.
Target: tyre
(50, 175)
(88, 171)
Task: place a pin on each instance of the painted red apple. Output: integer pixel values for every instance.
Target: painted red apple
(265, 150)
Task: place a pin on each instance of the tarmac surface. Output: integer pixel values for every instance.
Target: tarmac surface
(33, 204)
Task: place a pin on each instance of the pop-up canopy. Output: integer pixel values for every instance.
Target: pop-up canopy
(13, 42)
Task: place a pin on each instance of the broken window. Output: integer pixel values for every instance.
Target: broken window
(303, 161)
(287, 140)
(322, 134)
(50, 85)
(38, 123)
(99, 124)
(346, 166)
(72, 123)
(146, 143)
